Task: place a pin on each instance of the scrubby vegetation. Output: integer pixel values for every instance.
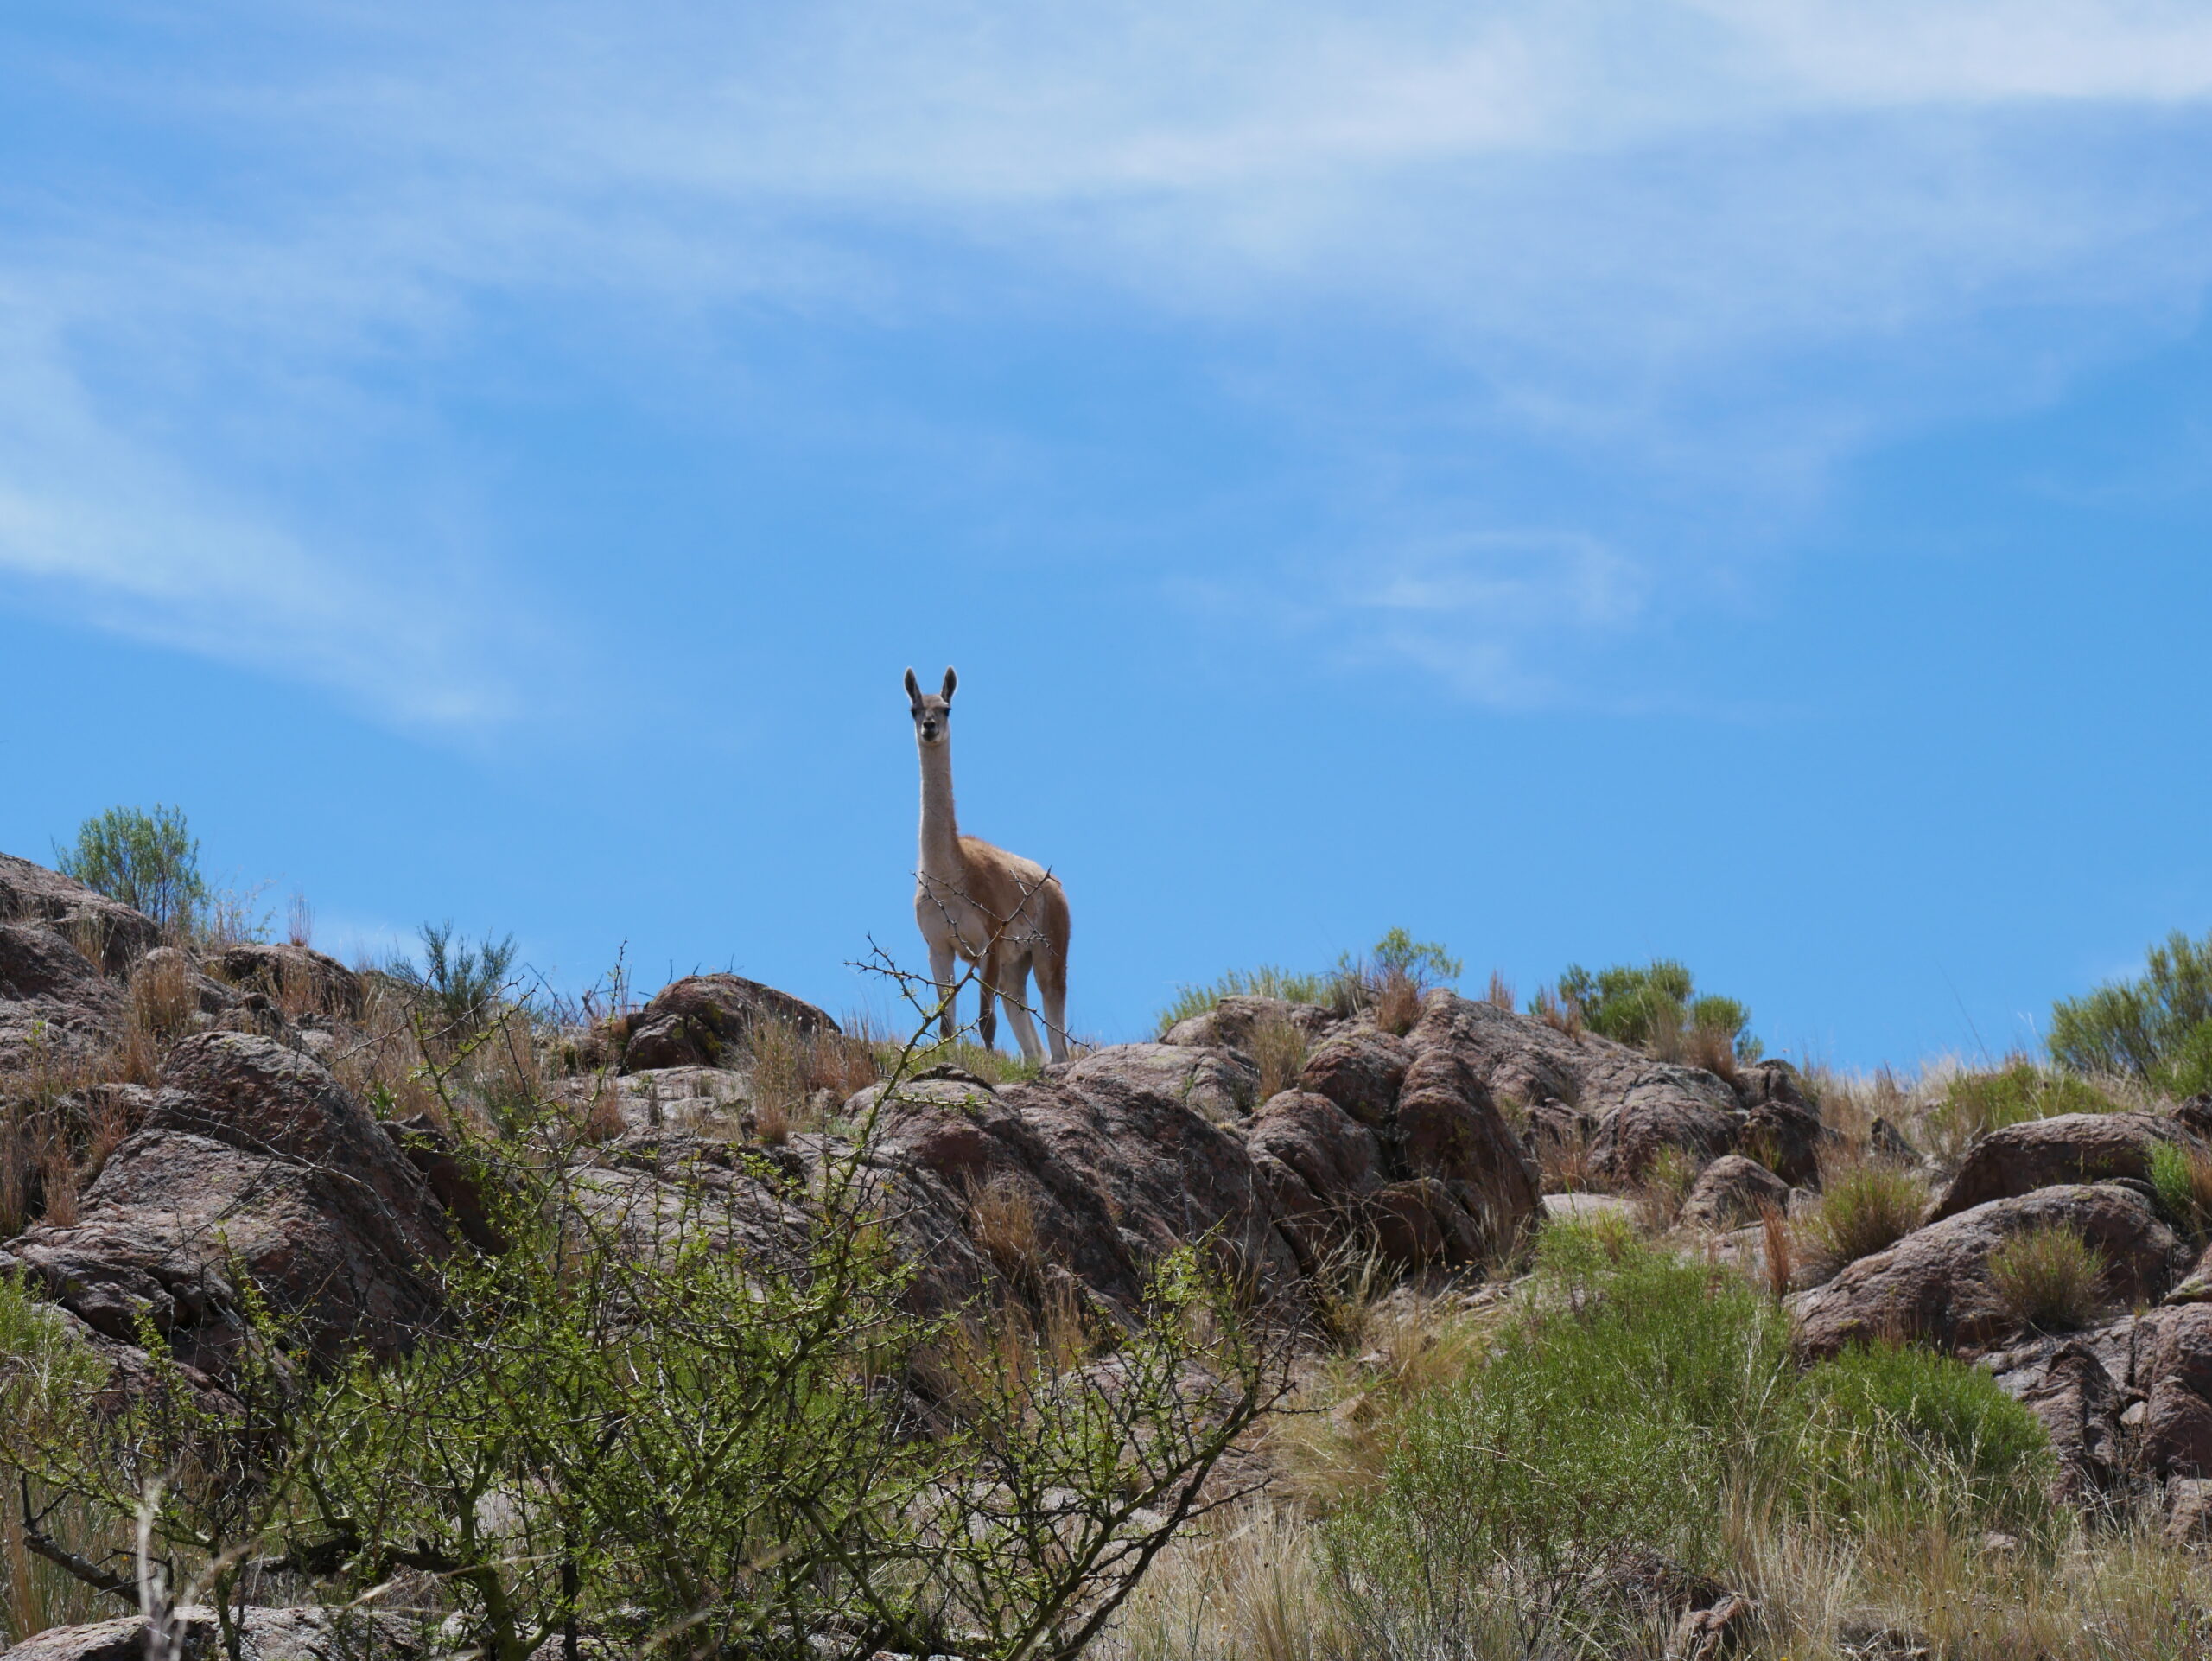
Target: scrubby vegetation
(643, 1425)
(1655, 1006)
(2048, 1276)
(1863, 1209)
(1973, 1103)
(1536, 1477)
(149, 861)
(2156, 1029)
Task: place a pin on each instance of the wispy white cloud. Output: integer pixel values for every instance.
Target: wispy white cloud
(1721, 241)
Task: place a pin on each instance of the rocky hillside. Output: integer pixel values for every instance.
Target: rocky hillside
(176, 1121)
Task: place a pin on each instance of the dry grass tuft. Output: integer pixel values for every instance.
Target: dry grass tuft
(1003, 1221)
(1280, 1048)
(772, 1125)
(1397, 1002)
(1500, 994)
(1778, 1256)
(1559, 1015)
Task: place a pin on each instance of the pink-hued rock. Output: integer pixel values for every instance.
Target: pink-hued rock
(1361, 1072)
(252, 1161)
(2018, 1159)
(695, 1022)
(106, 930)
(55, 1008)
(1933, 1286)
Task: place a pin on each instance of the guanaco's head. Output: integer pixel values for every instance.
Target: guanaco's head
(932, 710)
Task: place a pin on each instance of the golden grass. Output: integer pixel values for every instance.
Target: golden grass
(1280, 1048)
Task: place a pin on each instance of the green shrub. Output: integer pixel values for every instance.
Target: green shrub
(462, 986)
(1977, 1101)
(1866, 1209)
(2182, 1180)
(151, 861)
(2048, 1276)
(1656, 1006)
(1978, 1453)
(2156, 1029)
(1639, 1402)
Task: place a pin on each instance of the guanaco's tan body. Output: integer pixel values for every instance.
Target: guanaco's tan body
(981, 905)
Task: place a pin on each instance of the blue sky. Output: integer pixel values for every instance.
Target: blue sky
(1581, 482)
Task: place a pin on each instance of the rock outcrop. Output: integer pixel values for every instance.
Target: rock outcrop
(2018, 1159)
(302, 1634)
(696, 1021)
(1933, 1286)
(56, 1008)
(297, 978)
(1730, 1192)
(106, 930)
(252, 1162)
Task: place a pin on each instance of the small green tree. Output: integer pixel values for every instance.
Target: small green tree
(151, 861)
(464, 985)
(2157, 1028)
(1652, 1004)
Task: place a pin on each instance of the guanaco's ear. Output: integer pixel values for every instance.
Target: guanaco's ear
(951, 680)
(913, 688)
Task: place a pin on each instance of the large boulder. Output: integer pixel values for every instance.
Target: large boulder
(2175, 1375)
(56, 1008)
(1216, 1084)
(1360, 1071)
(253, 1162)
(110, 933)
(299, 978)
(1447, 1128)
(697, 1020)
(1320, 1165)
(1933, 1286)
(1638, 1106)
(2018, 1159)
(1144, 1137)
(1233, 1024)
(1730, 1192)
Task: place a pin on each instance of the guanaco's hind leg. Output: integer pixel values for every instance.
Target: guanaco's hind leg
(1052, 993)
(1016, 993)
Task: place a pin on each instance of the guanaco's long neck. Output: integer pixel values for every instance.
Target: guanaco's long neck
(940, 833)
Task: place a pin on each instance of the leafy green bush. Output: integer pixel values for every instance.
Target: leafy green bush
(1977, 1101)
(2048, 1276)
(2156, 1029)
(632, 1423)
(461, 985)
(1639, 1402)
(1865, 1209)
(151, 861)
(1989, 1457)
(1655, 1006)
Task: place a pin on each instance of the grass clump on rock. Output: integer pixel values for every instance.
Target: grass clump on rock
(2048, 1276)
(1975, 1102)
(1865, 1209)
(2181, 1178)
